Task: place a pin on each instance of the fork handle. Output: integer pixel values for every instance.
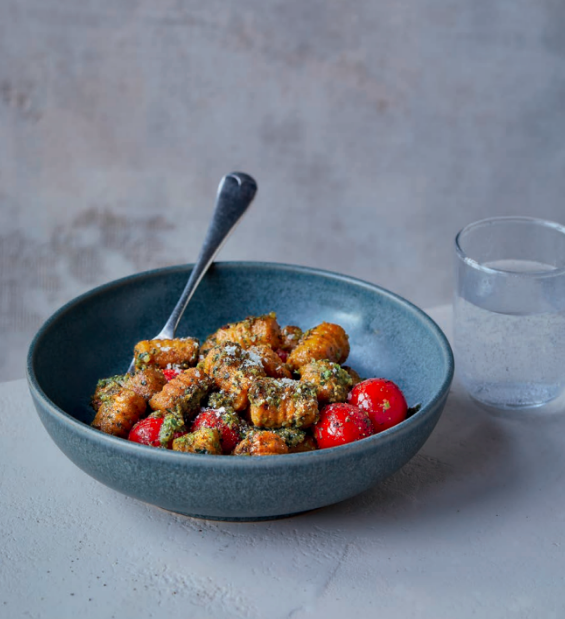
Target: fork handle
(235, 193)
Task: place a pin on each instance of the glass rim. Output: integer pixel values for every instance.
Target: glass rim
(544, 223)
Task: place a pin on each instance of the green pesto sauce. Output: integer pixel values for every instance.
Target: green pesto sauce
(171, 424)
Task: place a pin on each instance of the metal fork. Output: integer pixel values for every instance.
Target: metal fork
(235, 193)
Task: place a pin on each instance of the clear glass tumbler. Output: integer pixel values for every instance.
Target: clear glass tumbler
(509, 311)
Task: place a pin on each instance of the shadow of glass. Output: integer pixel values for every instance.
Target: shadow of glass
(475, 465)
(473, 459)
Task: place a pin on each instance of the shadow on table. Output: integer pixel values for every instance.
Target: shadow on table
(475, 465)
(474, 460)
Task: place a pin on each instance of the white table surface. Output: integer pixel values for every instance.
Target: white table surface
(473, 526)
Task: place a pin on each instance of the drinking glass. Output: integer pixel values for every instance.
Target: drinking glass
(509, 311)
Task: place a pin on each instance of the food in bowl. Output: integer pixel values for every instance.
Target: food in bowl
(93, 336)
(252, 388)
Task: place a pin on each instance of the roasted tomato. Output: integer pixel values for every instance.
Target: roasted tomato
(147, 431)
(172, 372)
(283, 354)
(225, 421)
(382, 399)
(340, 424)
(157, 430)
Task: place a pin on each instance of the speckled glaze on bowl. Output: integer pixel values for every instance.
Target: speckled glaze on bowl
(93, 337)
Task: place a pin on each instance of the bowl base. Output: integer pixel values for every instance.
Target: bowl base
(245, 519)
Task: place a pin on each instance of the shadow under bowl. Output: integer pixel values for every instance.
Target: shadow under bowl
(93, 337)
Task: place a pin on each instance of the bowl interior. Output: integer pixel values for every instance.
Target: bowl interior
(93, 336)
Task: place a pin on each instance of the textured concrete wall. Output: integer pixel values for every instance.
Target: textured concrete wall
(375, 131)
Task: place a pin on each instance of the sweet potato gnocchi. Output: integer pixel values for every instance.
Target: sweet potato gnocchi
(252, 388)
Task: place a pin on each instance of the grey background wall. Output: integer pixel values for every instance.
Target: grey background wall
(375, 129)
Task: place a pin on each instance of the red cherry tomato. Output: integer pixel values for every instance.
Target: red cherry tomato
(227, 423)
(147, 431)
(282, 354)
(383, 401)
(171, 373)
(150, 431)
(340, 424)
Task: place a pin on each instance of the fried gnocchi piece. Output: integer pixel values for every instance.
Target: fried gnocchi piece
(308, 444)
(326, 341)
(356, 379)
(119, 412)
(253, 330)
(271, 362)
(147, 382)
(233, 370)
(203, 441)
(106, 388)
(331, 381)
(181, 352)
(290, 337)
(219, 399)
(291, 436)
(261, 443)
(280, 403)
(183, 395)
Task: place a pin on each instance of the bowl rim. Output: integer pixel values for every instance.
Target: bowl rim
(91, 434)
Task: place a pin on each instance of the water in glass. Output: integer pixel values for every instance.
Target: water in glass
(512, 340)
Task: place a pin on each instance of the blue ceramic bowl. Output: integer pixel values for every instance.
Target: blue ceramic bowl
(93, 337)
